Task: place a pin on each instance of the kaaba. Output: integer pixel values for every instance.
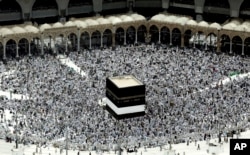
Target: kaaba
(125, 97)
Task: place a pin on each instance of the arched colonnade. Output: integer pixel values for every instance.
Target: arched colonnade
(70, 37)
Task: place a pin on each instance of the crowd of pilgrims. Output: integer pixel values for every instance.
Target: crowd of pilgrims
(184, 95)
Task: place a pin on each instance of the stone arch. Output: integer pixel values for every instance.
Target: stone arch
(154, 32)
(59, 43)
(247, 46)
(225, 43)
(200, 40)
(84, 40)
(141, 33)
(119, 36)
(23, 47)
(11, 48)
(35, 45)
(10, 6)
(176, 37)
(45, 4)
(96, 39)
(72, 41)
(237, 45)
(187, 37)
(49, 44)
(107, 38)
(211, 41)
(165, 35)
(130, 35)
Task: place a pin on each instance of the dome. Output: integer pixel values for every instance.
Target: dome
(69, 24)
(122, 17)
(114, 20)
(203, 24)
(6, 31)
(57, 25)
(18, 29)
(229, 26)
(191, 22)
(80, 24)
(169, 19)
(240, 28)
(137, 17)
(181, 20)
(103, 21)
(45, 26)
(215, 25)
(128, 19)
(158, 17)
(236, 21)
(91, 22)
(30, 28)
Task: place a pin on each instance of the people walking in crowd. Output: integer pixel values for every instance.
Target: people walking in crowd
(184, 93)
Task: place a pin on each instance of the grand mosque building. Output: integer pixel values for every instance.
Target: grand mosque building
(30, 27)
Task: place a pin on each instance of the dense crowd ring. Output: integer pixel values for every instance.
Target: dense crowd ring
(181, 102)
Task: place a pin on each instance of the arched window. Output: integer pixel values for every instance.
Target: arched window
(165, 35)
(119, 36)
(107, 38)
(130, 36)
(225, 43)
(176, 37)
(154, 32)
(23, 46)
(237, 45)
(141, 34)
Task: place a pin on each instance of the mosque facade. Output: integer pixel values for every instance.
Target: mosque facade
(100, 31)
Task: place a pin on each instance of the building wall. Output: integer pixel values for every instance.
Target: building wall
(65, 8)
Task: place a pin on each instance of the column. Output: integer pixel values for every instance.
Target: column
(78, 40)
(218, 45)
(42, 44)
(218, 49)
(136, 36)
(17, 52)
(54, 50)
(90, 46)
(125, 35)
(206, 45)
(231, 47)
(66, 44)
(159, 40)
(29, 50)
(194, 41)
(243, 48)
(4, 51)
(113, 40)
(170, 37)
(101, 40)
(182, 40)
(50, 42)
(199, 39)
